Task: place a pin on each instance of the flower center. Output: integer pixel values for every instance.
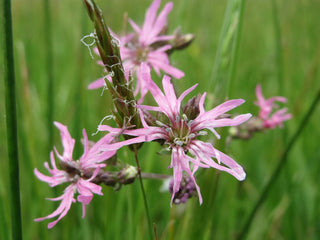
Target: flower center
(180, 134)
(141, 54)
(73, 171)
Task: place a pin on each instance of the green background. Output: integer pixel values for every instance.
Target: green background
(279, 47)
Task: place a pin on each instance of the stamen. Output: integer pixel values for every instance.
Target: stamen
(192, 135)
(160, 124)
(168, 130)
(178, 142)
(202, 133)
(185, 118)
(189, 123)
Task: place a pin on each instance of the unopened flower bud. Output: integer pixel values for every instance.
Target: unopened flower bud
(187, 190)
(191, 109)
(180, 41)
(128, 174)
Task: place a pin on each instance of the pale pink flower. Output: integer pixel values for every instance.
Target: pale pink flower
(277, 119)
(141, 47)
(75, 172)
(267, 106)
(180, 133)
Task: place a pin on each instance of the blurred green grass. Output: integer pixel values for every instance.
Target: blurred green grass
(291, 210)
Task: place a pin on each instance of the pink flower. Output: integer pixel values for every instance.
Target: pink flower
(266, 108)
(277, 119)
(141, 47)
(180, 133)
(75, 172)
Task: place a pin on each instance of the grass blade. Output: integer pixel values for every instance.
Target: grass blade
(226, 57)
(12, 138)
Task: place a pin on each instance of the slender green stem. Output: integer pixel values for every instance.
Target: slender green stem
(12, 138)
(279, 167)
(143, 194)
(49, 72)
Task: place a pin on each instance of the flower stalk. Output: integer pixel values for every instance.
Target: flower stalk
(143, 195)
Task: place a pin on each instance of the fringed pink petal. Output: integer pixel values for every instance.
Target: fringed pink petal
(62, 210)
(99, 83)
(174, 72)
(135, 27)
(159, 24)
(149, 19)
(67, 141)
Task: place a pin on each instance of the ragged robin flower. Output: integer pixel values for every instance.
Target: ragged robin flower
(181, 133)
(141, 46)
(269, 117)
(75, 172)
(145, 45)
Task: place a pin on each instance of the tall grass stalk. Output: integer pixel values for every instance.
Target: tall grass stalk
(239, 9)
(148, 166)
(11, 117)
(4, 234)
(49, 72)
(226, 57)
(27, 155)
(223, 75)
(280, 166)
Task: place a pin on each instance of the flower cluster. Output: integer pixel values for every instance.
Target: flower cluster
(79, 174)
(148, 44)
(271, 119)
(179, 128)
(180, 132)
